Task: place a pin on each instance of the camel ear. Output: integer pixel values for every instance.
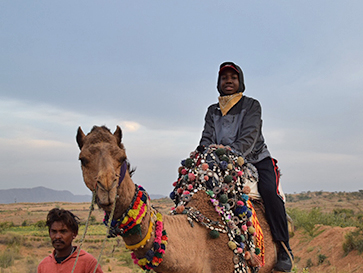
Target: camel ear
(118, 135)
(80, 137)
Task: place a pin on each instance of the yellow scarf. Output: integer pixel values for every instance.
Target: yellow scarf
(227, 102)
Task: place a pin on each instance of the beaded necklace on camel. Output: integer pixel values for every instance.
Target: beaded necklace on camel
(221, 174)
(130, 223)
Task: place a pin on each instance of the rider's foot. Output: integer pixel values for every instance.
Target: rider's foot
(284, 260)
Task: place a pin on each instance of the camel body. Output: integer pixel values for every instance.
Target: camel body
(189, 249)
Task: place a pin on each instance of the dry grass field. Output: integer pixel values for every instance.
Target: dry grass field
(317, 248)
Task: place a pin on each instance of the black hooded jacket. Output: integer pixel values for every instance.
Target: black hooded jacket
(240, 128)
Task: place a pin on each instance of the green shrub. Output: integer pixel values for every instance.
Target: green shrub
(40, 224)
(12, 239)
(353, 241)
(5, 225)
(309, 263)
(126, 257)
(321, 258)
(309, 219)
(6, 258)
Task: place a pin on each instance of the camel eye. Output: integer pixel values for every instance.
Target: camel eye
(84, 161)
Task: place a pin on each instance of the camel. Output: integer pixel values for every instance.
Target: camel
(177, 243)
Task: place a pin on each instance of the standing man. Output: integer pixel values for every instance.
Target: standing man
(63, 229)
(236, 122)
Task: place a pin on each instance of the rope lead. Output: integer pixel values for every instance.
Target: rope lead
(85, 229)
(107, 232)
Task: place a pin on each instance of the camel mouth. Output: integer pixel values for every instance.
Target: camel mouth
(107, 208)
(105, 201)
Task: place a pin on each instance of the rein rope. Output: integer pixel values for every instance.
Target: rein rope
(121, 178)
(107, 231)
(91, 208)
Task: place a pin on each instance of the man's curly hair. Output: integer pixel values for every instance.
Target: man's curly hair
(64, 216)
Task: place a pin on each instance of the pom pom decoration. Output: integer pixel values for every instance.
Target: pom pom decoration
(228, 178)
(240, 161)
(246, 189)
(191, 176)
(188, 162)
(249, 213)
(240, 203)
(251, 230)
(225, 158)
(232, 245)
(223, 198)
(214, 234)
(180, 209)
(223, 165)
(220, 151)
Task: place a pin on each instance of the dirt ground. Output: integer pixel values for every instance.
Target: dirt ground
(321, 254)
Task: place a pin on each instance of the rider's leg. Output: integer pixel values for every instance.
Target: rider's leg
(268, 186)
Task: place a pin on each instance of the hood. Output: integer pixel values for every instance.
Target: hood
(242, 87)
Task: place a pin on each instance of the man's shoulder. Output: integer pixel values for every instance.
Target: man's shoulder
(45, 263)
(85, 255)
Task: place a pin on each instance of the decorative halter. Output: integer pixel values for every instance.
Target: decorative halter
(122, 172)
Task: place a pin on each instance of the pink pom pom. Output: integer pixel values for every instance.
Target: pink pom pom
(183, 171)
(191, 176)
(240, 173)
(205, 166)
(180, 190)
(190, 187)
(186, 192)
(239, 250)
(244, 228)
(240, 203)
(206, 177)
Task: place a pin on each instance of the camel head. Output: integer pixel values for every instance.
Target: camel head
(102, 155)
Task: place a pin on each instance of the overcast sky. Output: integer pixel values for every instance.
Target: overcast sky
(151, 67)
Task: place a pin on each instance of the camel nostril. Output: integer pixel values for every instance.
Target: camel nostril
(100, 186)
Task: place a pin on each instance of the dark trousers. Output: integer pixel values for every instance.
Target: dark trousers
(268, 186)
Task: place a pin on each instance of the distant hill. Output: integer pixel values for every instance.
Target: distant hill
(42, 194)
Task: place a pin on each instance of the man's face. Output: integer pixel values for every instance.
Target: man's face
(228, 81)
(61, 236)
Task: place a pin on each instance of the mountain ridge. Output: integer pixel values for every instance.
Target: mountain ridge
(43, 194)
